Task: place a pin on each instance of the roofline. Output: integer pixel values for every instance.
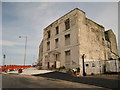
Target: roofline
(111, 31)
(63, 16)
(95, 23)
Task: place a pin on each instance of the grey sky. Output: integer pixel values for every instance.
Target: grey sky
(30, 18)
(60, 0)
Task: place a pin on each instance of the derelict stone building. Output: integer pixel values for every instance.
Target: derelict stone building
(74, 40)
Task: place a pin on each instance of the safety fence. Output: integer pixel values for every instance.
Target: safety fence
(6, 68)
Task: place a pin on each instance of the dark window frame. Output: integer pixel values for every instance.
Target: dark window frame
(48, 45)
(57, 30)
(67, 52)
(67, 24)
(67, 36)
(56, 42)
(48, 34)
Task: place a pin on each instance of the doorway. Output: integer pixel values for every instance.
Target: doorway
(48, 65)
(55, 64)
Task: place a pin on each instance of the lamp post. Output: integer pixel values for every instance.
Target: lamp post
(4, 56)
(25, 47)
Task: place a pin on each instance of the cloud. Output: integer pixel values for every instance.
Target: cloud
(9, 43)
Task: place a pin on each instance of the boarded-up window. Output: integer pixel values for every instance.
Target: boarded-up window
(46, 58)
(67, 24)
(56, 43)
(67, 39)
(57, 30)
(67, 56)
(48, 45)
(57, 57)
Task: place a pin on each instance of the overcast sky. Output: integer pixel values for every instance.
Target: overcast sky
(30, 18)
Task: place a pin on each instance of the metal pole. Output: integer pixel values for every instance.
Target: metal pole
(83, 65)
(25, 49)
(4, 56)
(3, 61)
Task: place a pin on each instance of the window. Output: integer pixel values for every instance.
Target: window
(57, 57)
(57, 30)
(103, 41)
(56, 43)
(67, 52)
(67, 56)
(48, 45)
(46, 58)
(48, 33)
(93, 65)
(87, 65)
(67, 24)
(67, 39)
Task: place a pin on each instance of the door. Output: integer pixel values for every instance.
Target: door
(55, 64)
(48, 65)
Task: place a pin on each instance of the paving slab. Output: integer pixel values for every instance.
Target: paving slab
(30, 71)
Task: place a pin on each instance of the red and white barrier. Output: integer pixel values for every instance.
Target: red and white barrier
(6, 68)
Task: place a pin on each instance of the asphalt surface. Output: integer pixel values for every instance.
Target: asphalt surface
(25, 81)
(58, 80)
(101, 82)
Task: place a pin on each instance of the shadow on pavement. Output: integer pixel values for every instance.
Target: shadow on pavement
(106, 83)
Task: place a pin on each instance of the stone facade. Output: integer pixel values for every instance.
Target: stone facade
(74, 37)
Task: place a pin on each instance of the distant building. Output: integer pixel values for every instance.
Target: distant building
(74, 37)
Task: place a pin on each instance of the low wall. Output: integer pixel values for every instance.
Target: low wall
(100, 66)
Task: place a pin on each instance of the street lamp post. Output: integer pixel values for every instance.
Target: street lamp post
(25, 47)
(4, 56)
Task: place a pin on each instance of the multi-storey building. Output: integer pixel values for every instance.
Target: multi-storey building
(73, 40)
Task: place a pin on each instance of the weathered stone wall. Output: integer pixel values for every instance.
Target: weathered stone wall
(91, 40)
(111, 38)
(73, 47)
(40, 56)
(107, 49)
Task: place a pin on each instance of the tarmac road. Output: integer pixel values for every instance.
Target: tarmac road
(25, 81)
(106, 81)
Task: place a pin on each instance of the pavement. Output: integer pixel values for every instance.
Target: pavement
(34, 71)
(29, 71)
(104, 81)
